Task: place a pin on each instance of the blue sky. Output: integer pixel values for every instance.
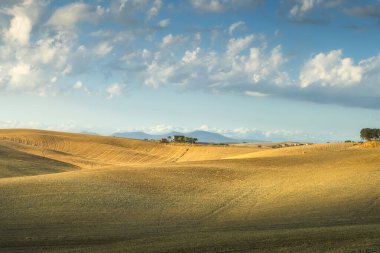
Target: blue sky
(271, 70)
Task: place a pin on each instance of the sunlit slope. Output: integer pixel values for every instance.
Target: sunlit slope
(370, 144)
(312, 202)
(298, 150)
(14, 163)
(90, 151)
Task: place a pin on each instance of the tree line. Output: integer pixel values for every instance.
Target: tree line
(370, 134)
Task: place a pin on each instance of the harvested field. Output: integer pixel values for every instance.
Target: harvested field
(63, 192)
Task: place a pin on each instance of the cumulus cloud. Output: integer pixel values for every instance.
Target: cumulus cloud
(21, 76)
(330, 69)
(31, 65)
(44, 53)
(23, 16)
(19, 29)
(239, 67)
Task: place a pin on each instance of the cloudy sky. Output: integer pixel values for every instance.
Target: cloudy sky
(264, 69)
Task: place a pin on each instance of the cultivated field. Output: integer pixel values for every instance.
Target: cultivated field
(62, 192)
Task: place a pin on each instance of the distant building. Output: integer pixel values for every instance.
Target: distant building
(176, 138)
(164, 140)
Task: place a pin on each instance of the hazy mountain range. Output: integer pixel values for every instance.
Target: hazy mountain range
(202, 136)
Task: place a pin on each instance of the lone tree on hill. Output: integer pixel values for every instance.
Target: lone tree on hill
(370, 134)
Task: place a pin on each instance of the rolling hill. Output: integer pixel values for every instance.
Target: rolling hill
(64, 192)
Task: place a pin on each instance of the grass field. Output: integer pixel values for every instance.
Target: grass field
(62, 192)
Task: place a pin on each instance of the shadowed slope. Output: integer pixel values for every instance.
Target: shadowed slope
(14, 163)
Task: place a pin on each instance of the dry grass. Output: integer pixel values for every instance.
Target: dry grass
(297, 150)
(370, 144)
(90, 151)
(322, 198)
(17, 163)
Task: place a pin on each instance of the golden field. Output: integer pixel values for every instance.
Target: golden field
(62, 192)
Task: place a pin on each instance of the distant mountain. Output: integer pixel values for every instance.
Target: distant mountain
(137, 135)
(202, 136)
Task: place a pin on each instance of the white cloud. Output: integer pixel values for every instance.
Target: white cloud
(207, 5)
(330, 69)
(19, 29)
(154, 9)
(38, 55)
(164, 22)
(35, 67)
(217, 6)
(235, 26)
(242, 130)
(21, 76)
(303, 6)
(235, 46)
(261, 67)
(371, 71)
(203, 128)
(114, 90)
(170, 39)
(69, 15)
(167, 40)
(158, 74)
(240, 65)
(160, 129)
(255, 94)
(24, 15)
(103, 49)
(191, 56)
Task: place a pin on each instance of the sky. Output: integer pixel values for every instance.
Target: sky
(302, 70)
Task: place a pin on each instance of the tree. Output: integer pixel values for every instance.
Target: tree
(369, 134)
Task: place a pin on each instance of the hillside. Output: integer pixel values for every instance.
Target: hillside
(91, 151)
(141, 196)
(17, 163)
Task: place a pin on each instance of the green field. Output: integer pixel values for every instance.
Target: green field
(64, 192)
